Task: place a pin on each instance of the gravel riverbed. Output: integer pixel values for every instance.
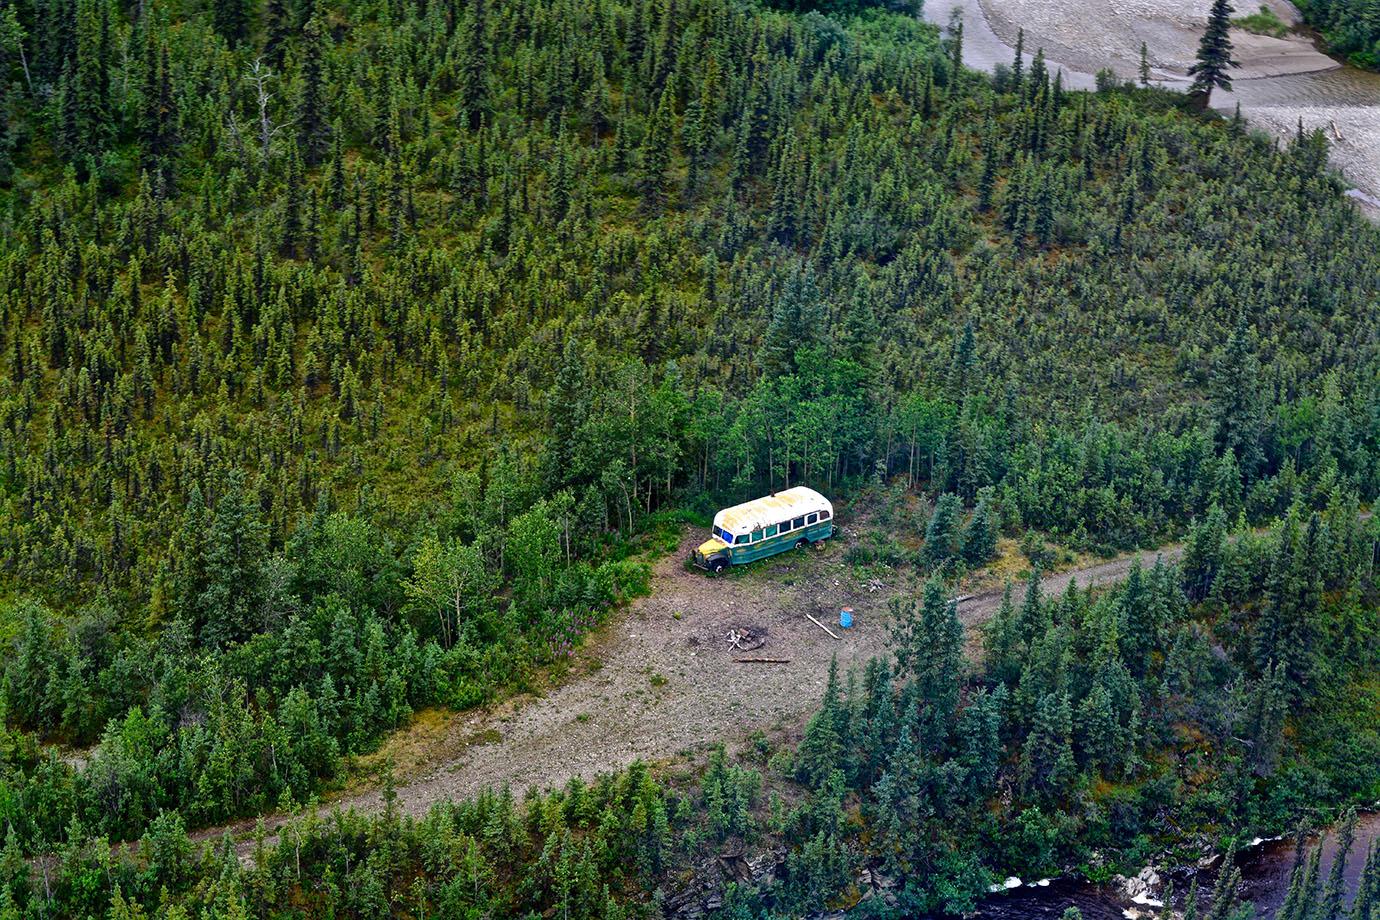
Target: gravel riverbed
(1280, 82)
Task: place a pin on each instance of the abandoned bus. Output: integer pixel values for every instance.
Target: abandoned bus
(764, 527)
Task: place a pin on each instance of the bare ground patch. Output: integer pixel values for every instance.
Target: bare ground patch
(660, 682)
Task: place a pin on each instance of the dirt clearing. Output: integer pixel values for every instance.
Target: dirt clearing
(661, 681)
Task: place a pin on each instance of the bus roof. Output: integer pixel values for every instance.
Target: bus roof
(771, 509)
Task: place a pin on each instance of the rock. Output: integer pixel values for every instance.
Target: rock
(1141, 887)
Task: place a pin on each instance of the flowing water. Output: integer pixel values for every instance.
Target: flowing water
(1342, 101)
(1265, 871)
(983, 50)
(1341, 86)
(1323, 99)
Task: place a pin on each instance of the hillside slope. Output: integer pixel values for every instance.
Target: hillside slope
(345, 346)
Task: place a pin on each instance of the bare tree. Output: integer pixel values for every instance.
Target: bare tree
(260, 77)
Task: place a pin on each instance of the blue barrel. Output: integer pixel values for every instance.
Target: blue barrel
(846, 617)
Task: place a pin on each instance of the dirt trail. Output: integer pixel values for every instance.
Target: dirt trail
(661, 681)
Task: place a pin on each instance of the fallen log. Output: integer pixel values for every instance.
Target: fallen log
(762, 660)
(822, 626)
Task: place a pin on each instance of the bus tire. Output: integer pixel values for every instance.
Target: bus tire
(717, 565)
(802, 543)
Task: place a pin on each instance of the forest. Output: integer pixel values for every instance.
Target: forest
(352, 350)
(1232, 693)
(1351, 28)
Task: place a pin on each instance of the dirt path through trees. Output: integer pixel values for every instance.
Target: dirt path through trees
(660, 681)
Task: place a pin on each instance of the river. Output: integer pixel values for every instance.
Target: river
(1345, 103)
(1342, 101)
(1265, 871)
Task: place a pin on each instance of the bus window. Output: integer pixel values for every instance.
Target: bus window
(810, 519)
(771, 531)
(798, 522)
(785, 526)
(824, 515)
(756, 535)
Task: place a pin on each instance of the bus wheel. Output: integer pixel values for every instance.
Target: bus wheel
(802, 543)
(717, 566)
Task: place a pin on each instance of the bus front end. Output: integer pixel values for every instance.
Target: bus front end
(711, 555)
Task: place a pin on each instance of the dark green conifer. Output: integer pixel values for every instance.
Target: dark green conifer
(278, 30)
(473, 63)
(313, 131)
(227, 608)
(230, 18)
(654, 157)
(1047, 763)
(1018, 65)
(1212, 68)
(979, 544)
(942, 531)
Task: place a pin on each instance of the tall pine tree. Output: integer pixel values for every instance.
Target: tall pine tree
(1210, 71)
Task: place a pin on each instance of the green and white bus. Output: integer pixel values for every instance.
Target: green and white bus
(764, 527)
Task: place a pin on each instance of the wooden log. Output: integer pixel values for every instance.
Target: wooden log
(762, 660)
(822, 626)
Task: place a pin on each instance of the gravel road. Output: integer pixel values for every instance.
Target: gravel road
(661, 682)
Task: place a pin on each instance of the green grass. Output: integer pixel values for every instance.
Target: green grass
(1265, 22)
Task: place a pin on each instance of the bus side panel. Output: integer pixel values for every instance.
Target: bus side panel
(751, 552)
(760, 550)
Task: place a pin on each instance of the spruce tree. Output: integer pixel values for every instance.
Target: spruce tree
(278, 29)
(1002, 645)
(1235, 391)
(1366, 904)
(1211, 70)
(1204, 553)
(88, 92)
(1018, 65)
(473, 63)
(230, 18)
(962, 370)
(1047, 763)
(978, 737)
(956, 48)
(234, 549)
(979, 545)
(313, 130)
(1037, 85)
(655, 156)
(1191, 900)
(1301, 900)
(987, 181)
(933, 656)
(821, 748)
(941, 534)
(1223, 905)
(1334, 893)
